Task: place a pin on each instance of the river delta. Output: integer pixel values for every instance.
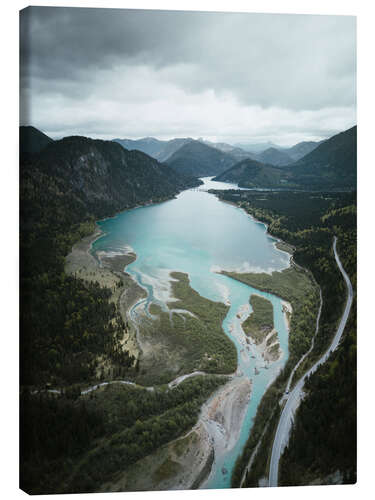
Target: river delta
(197, 234)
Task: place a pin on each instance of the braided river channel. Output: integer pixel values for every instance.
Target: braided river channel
(197, 234)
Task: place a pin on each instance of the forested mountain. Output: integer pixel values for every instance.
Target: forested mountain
(263, 152)
(32, 140)
(275, 157)
(68, 324)
(301, 149)
(252, 173)
(62, 190)
(198, 160)
(266, 152)
(162, 150)
(331, 165)
(102, 176)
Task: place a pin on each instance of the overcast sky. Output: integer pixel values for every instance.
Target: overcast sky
(227, 77)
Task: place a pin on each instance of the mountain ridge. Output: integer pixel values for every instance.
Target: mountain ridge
(32, 140)
(274, 157)
(331, 165)
(96, 177)
(197, 159)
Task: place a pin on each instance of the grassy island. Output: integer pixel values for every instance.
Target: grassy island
(260, 322)
(297, 287)
(190, 338)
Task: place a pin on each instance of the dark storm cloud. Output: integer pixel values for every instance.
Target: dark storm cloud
(65, 41)
(292, 62)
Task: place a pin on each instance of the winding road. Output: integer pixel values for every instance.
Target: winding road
(287, 389)
(171, 385)
(294, 398)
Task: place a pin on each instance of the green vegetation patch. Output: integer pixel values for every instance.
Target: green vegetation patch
(165, 416)
(297, 287)
(272, 339)
(260, 321)
(184, 342)
(78, 445)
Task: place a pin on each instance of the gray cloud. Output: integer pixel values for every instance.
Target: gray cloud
(256, 65)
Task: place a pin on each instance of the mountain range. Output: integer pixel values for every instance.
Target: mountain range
(197, 159)
(254, 147)
(80, 178)
(253, 174)
(264, 152)
(275, 157)
(106, 176)
(330, 165)
(301, 149)
(160, 150)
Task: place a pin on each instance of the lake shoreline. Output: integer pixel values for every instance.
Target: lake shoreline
(279, 244)
(108, 271)
(227, 408)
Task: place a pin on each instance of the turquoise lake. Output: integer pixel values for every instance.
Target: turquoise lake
(197, 234)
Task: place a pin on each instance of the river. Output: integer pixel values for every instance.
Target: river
(197, 234)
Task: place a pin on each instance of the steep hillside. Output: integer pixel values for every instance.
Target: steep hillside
(301, 149)
(251, 173)
(198, 160)
(101, 171)
(32, 140)
(77, 178)
(333, 164)
(63, 190)
(275, 157)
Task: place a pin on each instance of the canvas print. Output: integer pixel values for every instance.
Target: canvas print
(187, 250)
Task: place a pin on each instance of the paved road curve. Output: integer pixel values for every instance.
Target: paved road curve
(294, 398)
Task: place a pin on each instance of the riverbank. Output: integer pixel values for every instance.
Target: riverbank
(182, 464)
(224, 412)
(185, 336)
(296, 288)
(107, 269)
(288, 311)
(186, 462)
